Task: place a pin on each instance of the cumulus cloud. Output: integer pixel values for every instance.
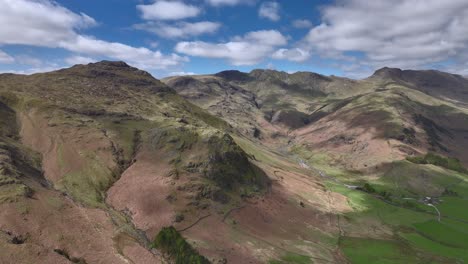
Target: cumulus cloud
(400, 33)
(168, 10)
(270, 10)
(5, 58)
(243, 50)
(180, 29)
(302, 23)
(41, 23)
(79, 60)
(229, 2)
(296, 55)
(44, 23)
(139, 57)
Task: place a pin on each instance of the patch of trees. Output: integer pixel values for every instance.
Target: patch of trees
(368, 188)
(445, 162)
(170, 242)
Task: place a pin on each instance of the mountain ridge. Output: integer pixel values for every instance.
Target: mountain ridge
(98, 161)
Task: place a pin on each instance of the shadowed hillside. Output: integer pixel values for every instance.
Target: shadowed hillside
(388, 143)
(102, 163)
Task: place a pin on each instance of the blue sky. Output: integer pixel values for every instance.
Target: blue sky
(167, 37)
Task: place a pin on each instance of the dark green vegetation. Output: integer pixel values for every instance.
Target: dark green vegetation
(15, 160)
(445, 162)
(170, 242)
(229, 165)
(374, 251)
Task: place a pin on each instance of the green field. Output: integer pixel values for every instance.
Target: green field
(361, 250)
(417, 236)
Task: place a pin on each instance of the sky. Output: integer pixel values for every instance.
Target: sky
(350, 38)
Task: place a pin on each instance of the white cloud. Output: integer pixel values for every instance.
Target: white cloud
(44, 68)
(296, 55)
(247, 50)
(79, 60)
(270, 10)
(168, 10)
(46, 24)
(302, 23)
(139, 57)
(229, 2)
(267, 37)
(41, 23)
(180, 29)
(400, 33)
(5, 58)
(181, 73)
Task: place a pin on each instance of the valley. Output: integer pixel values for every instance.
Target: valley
(102, 163)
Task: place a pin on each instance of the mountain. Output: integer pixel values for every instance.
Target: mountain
(97, 158)
(402, 112)
(392, 135)
(435, 83)
(102, 163)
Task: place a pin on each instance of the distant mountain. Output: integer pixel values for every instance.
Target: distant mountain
(432, 82)
(102, 163)
(390, 105)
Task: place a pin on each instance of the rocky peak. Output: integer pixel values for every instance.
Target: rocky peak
(390, 73)
(117, 64)
(233, 75)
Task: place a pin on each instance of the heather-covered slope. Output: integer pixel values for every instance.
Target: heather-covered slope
(110, 144)
(435, 83)
(357, 136)
(98, 161)
(397, 109)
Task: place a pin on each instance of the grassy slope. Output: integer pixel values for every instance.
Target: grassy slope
(407, 233)
(413, 226)
(125, 116)
(391, 108)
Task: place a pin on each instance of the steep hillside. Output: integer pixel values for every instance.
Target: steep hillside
(96, 159)
(98, 162)
(435, 83)
(396, 109)
(363, 138)
(102, 163)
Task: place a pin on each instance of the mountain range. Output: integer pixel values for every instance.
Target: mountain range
(102, 163)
